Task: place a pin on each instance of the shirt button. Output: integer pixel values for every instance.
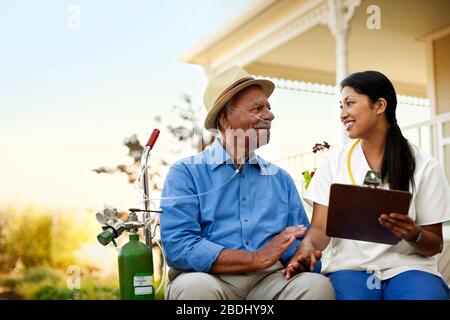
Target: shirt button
(243, 175)
(247, 243)
(244, 198)
(245, 220)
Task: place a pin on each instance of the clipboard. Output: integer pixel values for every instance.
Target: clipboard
(353, 212)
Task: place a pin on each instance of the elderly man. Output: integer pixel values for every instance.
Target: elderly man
(232, 220)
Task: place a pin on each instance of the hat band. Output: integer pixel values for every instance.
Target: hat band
(234, 85)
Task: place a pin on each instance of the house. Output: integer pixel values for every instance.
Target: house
(322, 41)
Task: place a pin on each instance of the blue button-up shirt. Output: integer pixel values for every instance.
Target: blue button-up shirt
(229, 209)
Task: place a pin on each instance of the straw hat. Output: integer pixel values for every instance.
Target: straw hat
(225, 86)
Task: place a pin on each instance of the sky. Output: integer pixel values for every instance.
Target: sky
(69, 95)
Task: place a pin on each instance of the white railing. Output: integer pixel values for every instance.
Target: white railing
(296, 164)
(430, 136)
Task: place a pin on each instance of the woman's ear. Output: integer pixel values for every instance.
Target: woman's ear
(380, 106)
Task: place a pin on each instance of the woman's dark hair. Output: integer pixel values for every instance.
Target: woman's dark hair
(398, 161)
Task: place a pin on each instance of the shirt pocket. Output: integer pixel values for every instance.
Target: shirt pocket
(272, 216)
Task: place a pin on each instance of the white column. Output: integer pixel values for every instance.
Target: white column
(341, 71)
(341, 56)
(340, 13)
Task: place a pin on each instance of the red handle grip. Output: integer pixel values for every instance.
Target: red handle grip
(153, 138)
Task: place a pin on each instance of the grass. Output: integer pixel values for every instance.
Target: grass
(45, 283)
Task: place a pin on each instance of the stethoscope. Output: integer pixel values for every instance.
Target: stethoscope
(349, 167)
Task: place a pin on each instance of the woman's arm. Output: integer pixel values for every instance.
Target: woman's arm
(311, 247)
(428, 244)
(316, 235)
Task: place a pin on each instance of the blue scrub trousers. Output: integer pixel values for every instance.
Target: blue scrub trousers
(408, 285)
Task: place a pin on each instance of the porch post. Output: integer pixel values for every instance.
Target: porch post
(340, 14)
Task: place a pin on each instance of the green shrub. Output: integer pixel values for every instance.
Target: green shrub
(30, 280)
(57, 293)
(45, 283)
(39, 274)
(100, 293)
(10, 281)
(35, 236)
(47, 292)
(38, 244)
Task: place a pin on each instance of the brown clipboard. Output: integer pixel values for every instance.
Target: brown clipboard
(353, 212)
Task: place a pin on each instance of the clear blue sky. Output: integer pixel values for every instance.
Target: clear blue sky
(69, 97)
(123, 58)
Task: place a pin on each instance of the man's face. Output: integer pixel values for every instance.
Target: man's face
(251, 114)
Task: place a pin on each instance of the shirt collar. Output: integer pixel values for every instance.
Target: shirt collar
(218, 155)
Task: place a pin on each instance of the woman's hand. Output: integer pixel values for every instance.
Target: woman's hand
(401, 225)
(304, 259)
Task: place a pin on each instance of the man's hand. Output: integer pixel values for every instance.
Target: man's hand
(305, 259)
(401, 225)
(268, 255)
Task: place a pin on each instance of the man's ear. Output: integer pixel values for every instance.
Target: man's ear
(224, 121)
(380, 106)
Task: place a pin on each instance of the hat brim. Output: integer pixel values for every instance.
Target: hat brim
(211, 117)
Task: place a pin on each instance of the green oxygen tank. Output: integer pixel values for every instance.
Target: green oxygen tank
(136, 270)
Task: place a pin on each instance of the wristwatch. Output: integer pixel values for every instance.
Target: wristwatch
(419, 237)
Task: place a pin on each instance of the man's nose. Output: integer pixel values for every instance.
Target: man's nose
(268, 115)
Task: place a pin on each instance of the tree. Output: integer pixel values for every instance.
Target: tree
(191, 128)
(189, 131)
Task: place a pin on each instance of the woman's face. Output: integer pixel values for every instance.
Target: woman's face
(358, 114)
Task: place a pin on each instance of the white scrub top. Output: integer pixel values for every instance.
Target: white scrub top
(430, 204)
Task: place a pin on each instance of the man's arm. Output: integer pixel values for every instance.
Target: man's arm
(234, 261)
(240, 261)
(184, 246)
(279, 248)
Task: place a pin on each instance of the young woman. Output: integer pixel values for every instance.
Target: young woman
(366, 270)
